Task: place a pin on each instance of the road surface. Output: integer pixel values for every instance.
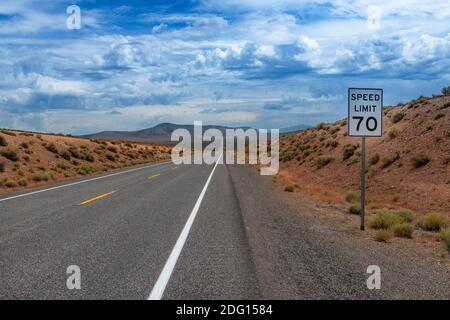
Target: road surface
(180, 232)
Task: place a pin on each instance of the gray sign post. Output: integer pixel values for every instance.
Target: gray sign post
(365, 119)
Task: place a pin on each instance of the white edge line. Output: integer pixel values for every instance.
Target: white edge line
(160, 285)
(82, 181)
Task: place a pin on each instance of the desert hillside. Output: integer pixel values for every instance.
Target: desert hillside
(408, 167)
(32, 159)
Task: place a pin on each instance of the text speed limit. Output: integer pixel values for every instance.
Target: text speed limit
(365, 112)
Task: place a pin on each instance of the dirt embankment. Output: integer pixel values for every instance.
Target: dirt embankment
(408, 167)
(30, 159)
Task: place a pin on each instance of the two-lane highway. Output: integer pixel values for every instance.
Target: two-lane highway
(120, 230)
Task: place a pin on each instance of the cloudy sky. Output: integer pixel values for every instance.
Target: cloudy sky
(267, 64)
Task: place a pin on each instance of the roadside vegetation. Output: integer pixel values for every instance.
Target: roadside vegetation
(28, 159)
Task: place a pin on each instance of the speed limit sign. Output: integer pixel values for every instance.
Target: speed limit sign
(365, 119)
(365, 112)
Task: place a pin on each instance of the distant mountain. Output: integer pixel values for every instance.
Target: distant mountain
(300, 127)
(160, 133)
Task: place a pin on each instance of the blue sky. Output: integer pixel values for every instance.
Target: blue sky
(266, 64)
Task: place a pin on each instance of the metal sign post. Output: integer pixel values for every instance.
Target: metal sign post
(365, 119)
(363, 183)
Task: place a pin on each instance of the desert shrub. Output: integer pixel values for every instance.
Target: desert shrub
(22, 182)
(25, 145)
(445, 237)
(332, 143)
(74, 152)
(393, 133)
(110, 157)
(11, 184)
(348, 151)
(65, 155)
(2, 167)
(112, 149)
(420, 160)
(289, 188)
(405, 214)
(84, 170)
(374, 159)
(334, 129)
(433, 221)
(3, 141)
(384, 219)
(383, 235)
(439, 115)
(321, 126)
(62, 166)
(446, 91)
(387, 161)
(355, 208)
(403, 230)
(40, 177)
(398, 116)
(10, 154)
(353, 196)
(322, 161)
(88, 157)
(52, 148)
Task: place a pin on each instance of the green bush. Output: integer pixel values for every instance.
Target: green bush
(393, 133)
(384, 219)
(52, 148)
(383, 235)
(355, 208)
(289, 188)
(353, 196)
(112, 149)
(3, 141)
(420, 160)
(25, 145)
(433, 221)
(88, 157)
(11, 184)
(41, 177)
(398, 116)
(374, 159)
(74, 152)
(322, 161)
(65, 155)
(23, 182)
(10, 154)
(439, 115)
(445, 236)
(403, 230)
(386, 161)
(405, 214)
(110, 157)
(348, 151)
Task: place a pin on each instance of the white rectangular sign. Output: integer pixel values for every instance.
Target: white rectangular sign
(365, 112)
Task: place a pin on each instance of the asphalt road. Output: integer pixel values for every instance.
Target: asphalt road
(120, 231)
(180, 232)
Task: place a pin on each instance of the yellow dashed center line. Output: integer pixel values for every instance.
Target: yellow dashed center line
(174, 168)
(154, 176)
(98, 197)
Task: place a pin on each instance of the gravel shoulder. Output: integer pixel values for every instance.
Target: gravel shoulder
(303, 249)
